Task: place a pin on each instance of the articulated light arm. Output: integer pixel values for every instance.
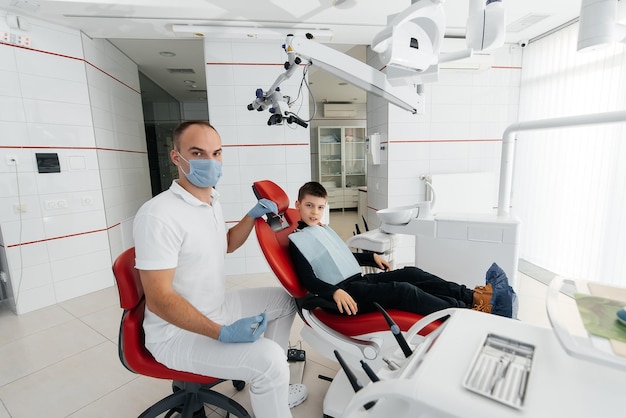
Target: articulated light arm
(301, 49)
(408, 48)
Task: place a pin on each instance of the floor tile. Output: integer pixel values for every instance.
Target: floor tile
(128, 400)
(16, 327)
(67, 386)
(92, 302)
(105, 322)
(45, 348)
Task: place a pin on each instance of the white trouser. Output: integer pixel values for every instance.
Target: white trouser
(263, 363)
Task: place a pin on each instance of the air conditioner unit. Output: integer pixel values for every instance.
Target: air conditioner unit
(339, 110)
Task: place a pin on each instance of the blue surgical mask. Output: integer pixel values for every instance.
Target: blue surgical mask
(203, 173)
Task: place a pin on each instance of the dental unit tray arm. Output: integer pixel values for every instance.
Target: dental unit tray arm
(393, 387)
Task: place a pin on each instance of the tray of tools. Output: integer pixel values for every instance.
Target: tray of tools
(500, 370)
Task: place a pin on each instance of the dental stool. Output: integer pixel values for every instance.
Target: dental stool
(190, 391)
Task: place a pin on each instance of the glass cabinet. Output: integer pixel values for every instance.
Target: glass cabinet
(342, 163)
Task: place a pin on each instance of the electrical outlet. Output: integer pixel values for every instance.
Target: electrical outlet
(23, 40)
(55, 204)
(12, 160)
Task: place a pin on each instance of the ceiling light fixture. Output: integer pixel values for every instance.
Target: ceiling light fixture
(167, 54)
(240, 32)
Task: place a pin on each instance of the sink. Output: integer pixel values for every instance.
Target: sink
(397, 216)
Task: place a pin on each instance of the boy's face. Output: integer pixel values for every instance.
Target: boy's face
(311, 209)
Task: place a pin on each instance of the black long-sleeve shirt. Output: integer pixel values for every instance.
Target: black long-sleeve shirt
(308, 278)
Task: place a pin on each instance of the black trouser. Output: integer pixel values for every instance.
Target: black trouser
(409, 289)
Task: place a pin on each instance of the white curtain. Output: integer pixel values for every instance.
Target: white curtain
(570, 184)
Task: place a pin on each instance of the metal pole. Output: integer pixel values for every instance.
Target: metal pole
(508, 146)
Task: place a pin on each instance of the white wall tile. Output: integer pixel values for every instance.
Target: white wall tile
(218, 51)
(38, 111)
(7, 58)
(219, 75)
(9, 84)
(60, 135)
(34, 299)
(63, 225)
(258, 52)
(27, 230)
(50, 66)
(12, 133)
(12, 109)
(79, 265)
(31, 277)
(81, 285)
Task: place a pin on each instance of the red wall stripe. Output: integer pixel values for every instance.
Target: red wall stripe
(73, 58)
(64, 236)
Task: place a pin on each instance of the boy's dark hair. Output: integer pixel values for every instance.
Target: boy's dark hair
(178, 130)
(312, 188)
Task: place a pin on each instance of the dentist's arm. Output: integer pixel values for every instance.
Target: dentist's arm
(163, 301)
(239, 233)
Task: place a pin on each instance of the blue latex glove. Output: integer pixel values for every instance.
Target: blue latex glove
(262, 207)
(245, 330)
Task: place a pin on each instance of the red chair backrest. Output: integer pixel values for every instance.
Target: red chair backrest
(275, 247)
(131, 346)
(127, 277)
(275, 244)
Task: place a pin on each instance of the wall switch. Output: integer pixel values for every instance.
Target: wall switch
(12, 160)
(20, 208)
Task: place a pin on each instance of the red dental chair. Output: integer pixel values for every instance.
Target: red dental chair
(191, 390)
(338, 330)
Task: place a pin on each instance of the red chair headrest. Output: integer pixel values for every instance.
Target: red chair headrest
(267, 189)
(127, 277)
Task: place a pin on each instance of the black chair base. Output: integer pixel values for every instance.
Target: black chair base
(190, 397)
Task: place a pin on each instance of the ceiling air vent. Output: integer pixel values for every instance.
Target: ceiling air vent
(181, 71)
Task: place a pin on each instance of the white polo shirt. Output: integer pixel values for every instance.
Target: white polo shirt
(176, 230)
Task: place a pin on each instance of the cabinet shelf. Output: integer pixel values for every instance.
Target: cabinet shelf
(342, 164)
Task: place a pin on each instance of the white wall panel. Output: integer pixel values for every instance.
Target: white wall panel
(56, 97)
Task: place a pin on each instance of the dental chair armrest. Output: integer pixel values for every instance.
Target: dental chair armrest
(357, 348)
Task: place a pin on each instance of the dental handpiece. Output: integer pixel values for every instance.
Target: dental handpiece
(395, 330)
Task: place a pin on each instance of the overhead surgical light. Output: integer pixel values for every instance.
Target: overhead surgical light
(485, 25)
(241, 32)
(410, 43)
(598, 25)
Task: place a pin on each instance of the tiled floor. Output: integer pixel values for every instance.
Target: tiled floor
(62, 361)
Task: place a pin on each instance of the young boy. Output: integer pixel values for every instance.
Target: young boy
(328, 268)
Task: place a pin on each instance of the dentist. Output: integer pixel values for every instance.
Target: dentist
(191, 322)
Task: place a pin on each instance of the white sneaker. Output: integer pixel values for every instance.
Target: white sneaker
(297, 394)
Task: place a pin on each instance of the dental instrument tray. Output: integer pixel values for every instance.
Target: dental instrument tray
(500, 370)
